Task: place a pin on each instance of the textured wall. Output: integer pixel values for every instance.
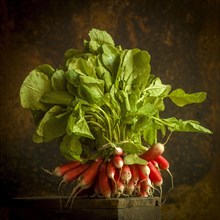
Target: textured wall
(182, 38)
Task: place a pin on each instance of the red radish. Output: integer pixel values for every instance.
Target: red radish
(143, 193)
(145, 185)
(96, 189)
(117, 175)
(134, 173)
(155, 163)
(154, 151)
(125, 173)
(150, 186)
(103, 181)
(155, 175)
(163, 163)
(120, 187)
(149, 183)
(111, 170)
(142, 176)
(139, 188)
(144, 168)
(72, 174)
(86, 179)
(129, 188)
(60, 170)
(117, 186)
(118, 161)
(113, 187)
(118, 151)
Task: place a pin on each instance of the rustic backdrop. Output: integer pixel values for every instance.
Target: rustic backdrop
(182, 38)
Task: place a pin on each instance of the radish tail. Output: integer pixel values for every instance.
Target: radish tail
(161, 192)
(59, 187)
(73, 194)
(168, 138)
(171, 178)
(80, 190)
(60, 193)
(155, 189)
(163, 201)
(47, 171)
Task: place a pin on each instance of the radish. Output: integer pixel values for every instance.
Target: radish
(120, 187)
(144, 168)
(154, 162)
(117, 175)
(117, 186)
(103, 181)
(86, 179)
(125, 174)
(153, 152)
(111, 170)
(134, 173)
(118, 161)
(143, 193)
(144, 184)
(113, 187)
(155, 175)
(129, 188)
(162, 162)
(119, 151)
(164, 165)
(96, 189)
(142, 176)
(72, 174)
(151, 188)
(144, 188)
(60, 170)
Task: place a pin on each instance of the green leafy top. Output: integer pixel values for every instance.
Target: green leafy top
(103, 96)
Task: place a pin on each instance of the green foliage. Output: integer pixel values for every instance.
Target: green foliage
(103, 95)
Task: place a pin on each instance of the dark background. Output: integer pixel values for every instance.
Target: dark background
(182, 38)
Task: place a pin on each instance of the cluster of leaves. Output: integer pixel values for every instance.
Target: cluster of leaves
(102, 96)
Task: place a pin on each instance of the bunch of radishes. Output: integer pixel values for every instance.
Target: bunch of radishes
(103, 107)
(113, 178)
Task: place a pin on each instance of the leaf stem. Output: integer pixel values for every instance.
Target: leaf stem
(161, 121)
(108, 121)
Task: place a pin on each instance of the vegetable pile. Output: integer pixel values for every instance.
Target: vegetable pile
(103, 107)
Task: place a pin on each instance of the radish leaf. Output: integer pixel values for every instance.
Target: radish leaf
(185, 126)
(134, 159)
(71, 148)
(35, 85)
(58, 81)
(180, 98)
